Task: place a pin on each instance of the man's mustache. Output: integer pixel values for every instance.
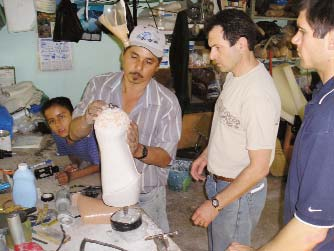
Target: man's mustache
(136, 74)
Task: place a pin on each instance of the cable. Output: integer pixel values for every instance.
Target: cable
(63, 239)
(152, 14)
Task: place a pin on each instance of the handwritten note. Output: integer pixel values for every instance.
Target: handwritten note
(54, 56)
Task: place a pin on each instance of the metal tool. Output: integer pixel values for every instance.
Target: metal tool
(161, 240)
(85, 240)
(45, 162)
(161, 236)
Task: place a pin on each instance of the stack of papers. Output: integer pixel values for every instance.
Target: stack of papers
(27, 141)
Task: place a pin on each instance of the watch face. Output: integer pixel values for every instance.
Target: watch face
(215, 202)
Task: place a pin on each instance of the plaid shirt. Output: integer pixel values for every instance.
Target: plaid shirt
(157, 114)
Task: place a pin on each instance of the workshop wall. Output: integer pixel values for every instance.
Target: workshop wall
(89, 58)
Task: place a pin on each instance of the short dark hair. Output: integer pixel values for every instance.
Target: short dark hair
(61, 101)
(235, 24)
(319, 14)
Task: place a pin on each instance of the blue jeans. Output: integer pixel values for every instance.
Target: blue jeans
(154, 205)
(237, 220)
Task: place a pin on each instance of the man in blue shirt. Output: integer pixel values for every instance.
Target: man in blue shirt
(309, 196)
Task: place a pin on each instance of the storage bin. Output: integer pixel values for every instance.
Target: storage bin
(179, 177)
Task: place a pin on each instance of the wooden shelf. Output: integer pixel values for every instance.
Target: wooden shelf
(274, 18)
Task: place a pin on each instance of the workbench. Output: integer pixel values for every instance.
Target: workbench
(78, 230)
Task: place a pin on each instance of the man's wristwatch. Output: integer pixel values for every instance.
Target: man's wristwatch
(215, 203)
(144, 153)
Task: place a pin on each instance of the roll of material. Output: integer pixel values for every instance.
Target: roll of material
(15, 228)
(46, 197)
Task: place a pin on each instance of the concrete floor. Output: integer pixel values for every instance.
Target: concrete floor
(181, 205)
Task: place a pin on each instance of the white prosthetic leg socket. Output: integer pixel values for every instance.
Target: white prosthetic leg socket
(121, 182)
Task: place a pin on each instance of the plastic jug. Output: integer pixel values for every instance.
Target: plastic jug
(24, 188)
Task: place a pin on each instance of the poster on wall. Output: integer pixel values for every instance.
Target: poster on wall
(46, 17)
(54, 56)
(92, 31)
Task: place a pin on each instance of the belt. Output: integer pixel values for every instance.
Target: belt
(221, 178)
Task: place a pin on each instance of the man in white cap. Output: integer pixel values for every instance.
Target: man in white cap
(153, 109)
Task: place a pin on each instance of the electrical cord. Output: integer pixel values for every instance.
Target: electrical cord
(63, 239)
(155, 22)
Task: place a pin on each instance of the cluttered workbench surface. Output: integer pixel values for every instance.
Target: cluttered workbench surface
(86, 223)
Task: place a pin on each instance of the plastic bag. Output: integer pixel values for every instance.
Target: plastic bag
(67, 27)
(2, 17)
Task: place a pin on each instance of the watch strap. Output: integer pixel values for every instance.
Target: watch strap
(144, 153)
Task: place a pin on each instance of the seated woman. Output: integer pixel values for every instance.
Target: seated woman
(83, 154)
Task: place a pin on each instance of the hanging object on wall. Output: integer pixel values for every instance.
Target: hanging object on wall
(114, 19)
(20, 15)
(46, 17)
(67, 27)
(2, 17)
(88, 15)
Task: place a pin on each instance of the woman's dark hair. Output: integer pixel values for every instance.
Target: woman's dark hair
(61, 101)
(235, 24)
(319, 14)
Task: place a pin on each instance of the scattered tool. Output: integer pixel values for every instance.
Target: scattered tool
(4, 154)
(90, 191)
(161, 240)
(4, 186)
(45, 162)
(44, 172)
(85, 240)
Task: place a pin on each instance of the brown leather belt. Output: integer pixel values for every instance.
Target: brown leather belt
(221, 178)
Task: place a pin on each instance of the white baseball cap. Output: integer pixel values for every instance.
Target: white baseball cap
(150, 38)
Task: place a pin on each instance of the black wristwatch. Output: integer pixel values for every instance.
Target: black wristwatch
(144, 153)
(215, 202)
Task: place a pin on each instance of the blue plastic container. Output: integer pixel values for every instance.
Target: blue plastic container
(6, 120)
(24, 188)
(179, 178)
(280, 2)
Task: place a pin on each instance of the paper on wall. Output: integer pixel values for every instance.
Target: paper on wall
(54, 56)
(47, 6)
(20, 15)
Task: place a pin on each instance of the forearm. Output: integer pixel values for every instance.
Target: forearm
(84, 172)
(248, 178)
(79, 128)
(155, 156)
(296, 236)
(241, 185)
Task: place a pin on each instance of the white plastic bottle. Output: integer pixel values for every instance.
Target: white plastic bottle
(24, 188)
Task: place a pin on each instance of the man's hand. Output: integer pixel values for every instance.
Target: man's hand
(93, 111)
(235, 246)
(205, 214)
(198, 166)
(133, 137)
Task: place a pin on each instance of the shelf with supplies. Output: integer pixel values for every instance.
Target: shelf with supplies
(276, 10)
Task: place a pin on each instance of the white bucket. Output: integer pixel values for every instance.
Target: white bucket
(5, 142)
